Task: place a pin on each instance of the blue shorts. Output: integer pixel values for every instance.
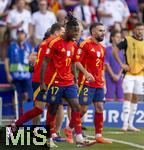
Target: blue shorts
(89, 95)
(55, 93)
(37, 94)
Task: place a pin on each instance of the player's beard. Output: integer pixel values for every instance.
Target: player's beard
(99, 39)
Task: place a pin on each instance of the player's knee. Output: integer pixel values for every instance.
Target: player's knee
(83, 110)
(99, 108)
(53, 109)
(76, 108)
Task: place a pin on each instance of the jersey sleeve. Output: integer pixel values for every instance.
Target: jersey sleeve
(74, 59)
(43, 45)
(50, 49)
(41, 50)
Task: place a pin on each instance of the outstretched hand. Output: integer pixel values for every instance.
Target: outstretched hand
(89, 77)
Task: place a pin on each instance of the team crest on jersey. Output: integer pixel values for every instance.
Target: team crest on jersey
(68, 53)
(77, 56)
(92, 50)
(85, 99)
(44, 96)
(48, 51)
(98, 54)
(53, 98)
(79, 51)
(63, 50)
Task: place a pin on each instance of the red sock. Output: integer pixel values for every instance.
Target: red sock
(71, 124)
(51, 122)
(29, 115)
(98, 121)
(76, 122)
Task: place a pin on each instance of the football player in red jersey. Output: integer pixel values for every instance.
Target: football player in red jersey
(91, 55)
(55, 30)
(60, 58)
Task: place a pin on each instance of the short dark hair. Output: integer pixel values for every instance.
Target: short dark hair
(138, 24)
(95, 25)
(113, 33)
(46, 35)
(55, 27)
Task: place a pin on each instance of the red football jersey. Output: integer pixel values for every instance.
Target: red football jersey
(91, 55)
(62, 53)
(37, 67)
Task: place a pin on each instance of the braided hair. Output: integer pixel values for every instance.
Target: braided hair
(71, 21)
(71, 28)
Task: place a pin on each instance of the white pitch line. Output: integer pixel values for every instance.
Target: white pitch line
(128, 143)
(123, 142)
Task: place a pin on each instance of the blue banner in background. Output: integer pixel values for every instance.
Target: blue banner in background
(112, 115)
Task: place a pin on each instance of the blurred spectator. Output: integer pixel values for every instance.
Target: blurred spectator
(42, 20)
(17, 67)
(111, 11)
(141, 6)
(124, 32)
(113, 73)
(83, 12)
(55, 5)
(3, 14)
(19, 18)
(116, 27)
(132, 5)
(95, 3)
(61, 16)
(12, 4)
(34, 5)
(70, 4)
(134, 19)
